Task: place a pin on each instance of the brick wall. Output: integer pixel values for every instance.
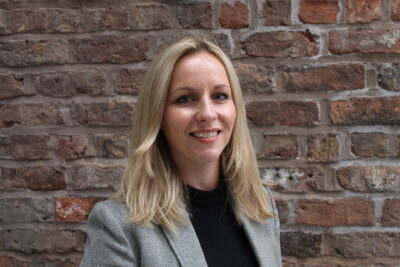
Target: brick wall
(322, 85)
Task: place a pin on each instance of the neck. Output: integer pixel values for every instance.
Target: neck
(200, 176)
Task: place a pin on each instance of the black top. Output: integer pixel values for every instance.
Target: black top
(222, 239)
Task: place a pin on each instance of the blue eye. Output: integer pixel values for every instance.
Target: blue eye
(184, 99)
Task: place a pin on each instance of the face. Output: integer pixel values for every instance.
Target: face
(200, 113)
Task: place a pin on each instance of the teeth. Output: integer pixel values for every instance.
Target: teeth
(205, 135)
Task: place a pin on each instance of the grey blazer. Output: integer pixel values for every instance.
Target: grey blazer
(113, 241)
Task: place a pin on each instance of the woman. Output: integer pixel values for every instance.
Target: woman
(191, 194)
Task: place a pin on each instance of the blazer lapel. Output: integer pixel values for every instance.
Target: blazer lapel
(186, 246)
(262, 240)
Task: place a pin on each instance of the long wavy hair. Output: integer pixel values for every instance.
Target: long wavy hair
(151, 187)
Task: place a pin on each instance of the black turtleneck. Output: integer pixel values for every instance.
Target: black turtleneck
(222, 239)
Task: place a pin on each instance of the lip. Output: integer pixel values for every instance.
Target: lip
(206, 140)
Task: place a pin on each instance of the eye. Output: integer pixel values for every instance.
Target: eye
(221, 96)
(184, 99)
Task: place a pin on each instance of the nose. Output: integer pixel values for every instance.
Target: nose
(206, 110)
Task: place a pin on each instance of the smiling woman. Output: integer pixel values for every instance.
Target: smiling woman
(191, 194)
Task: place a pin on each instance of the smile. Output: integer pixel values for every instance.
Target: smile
(205, 134)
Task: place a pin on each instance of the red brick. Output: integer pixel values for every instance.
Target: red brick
(31, 241)
(281, 146)
(67, 84)
(281, 44)
(301, 244)
(25, 20)
(112, 146)
(391, 215)
(25, 147)
(31, 114)
(151, 16)
(322, 148)
(369, 178)
(395, 15)
(366, 244)
(195, 15)
(108, 49)
(368, 145)
(336, 212)
(296, 180)
(288, 113)
(389, 77)
(128, 81)
(41, 178)
(326, 78)
(363, 11)
(255, 78)
(99, 177)
(318, 11)
(74, 209)
(234, 16)
(69, 20)
(13, 261)
(112, 18)
(380, 40)
(276, 12)
(75, 146)
(12, 85)
(366, 111)
(283, 210)
(23, 53)
(103, 114)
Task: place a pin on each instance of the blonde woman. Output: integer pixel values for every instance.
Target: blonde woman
(191, 194)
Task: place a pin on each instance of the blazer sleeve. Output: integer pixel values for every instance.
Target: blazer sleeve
(107, 244)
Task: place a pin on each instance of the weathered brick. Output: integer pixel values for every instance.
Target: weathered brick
(283, 210)
(234, 16)
(363, 11)
(255, 78)
(108, 49)
(336, 212)
(23, 53)
(58, 260)
(296, 180)
(281, 44)
(25, 147)
(369, 178)
(370, 144)
(276, 12)
(43, 240)
(281, 146)
(395, 15)
(100, 114)
(318, 11)
(398, 145)
(195, 15)
(301, 244)
(111, 18)
(150, 16)
(41, 178)
(365, 244)
(74, 209)
(12, 85)
(390, 212)
(13, 261)
(91, 176)
(338, 77)
(24, 20)
(26, 210)
(75, 146)
(380, 40)
(288, 113)
(127, 81)
(67, 84)
(322, 148)
(69, 20)
(112, 146)
(389, 77)
(366, 111)
(31, 114)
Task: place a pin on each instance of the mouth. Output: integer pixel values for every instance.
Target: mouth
(205, 133)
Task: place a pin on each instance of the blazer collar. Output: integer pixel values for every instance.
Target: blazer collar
(186, 245)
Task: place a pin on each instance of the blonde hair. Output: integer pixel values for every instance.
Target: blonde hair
(150, 186)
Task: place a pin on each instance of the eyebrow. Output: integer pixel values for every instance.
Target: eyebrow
(190, 89)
